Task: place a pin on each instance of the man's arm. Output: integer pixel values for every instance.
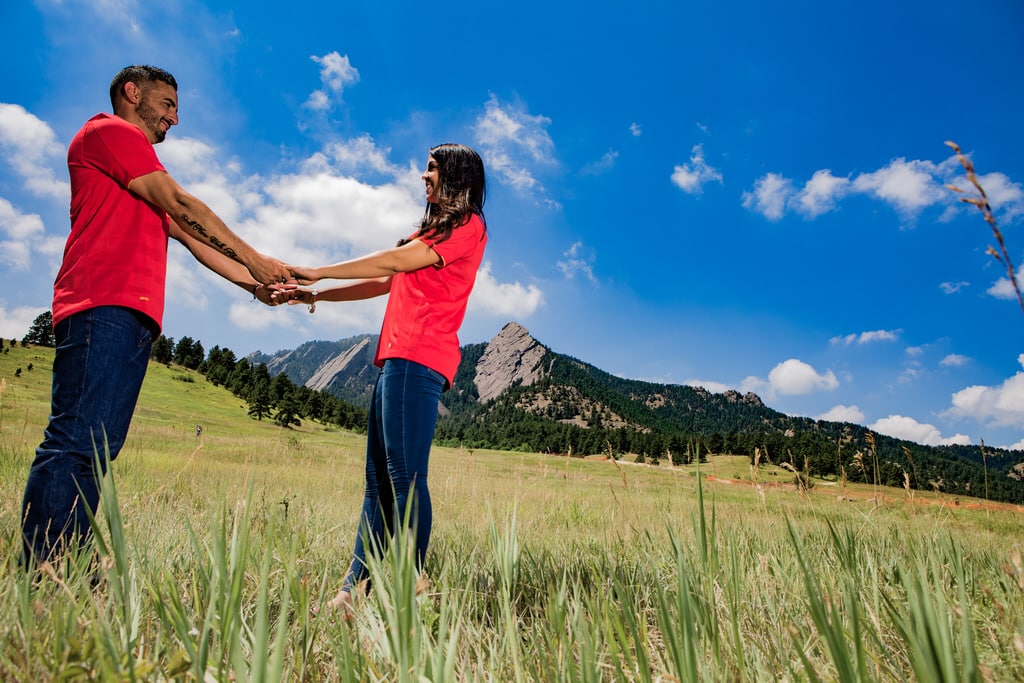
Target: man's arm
(229, 269)
(198, 221)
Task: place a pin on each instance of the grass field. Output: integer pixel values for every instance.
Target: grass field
(213, 550)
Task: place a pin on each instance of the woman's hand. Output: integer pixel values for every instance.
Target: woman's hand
(305, 275)
(264, 294)
(291, 294)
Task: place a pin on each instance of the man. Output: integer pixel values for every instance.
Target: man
(108, 297)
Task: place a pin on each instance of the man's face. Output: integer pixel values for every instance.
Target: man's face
(158, 110)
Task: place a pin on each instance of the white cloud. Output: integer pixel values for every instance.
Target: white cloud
(336, 72)
(24, 231)
(323, 217)
(361, 153)
(710, 385)
(602, 165)
(820, 194)
(31, 148)
(909, 186)
(511, 141)
(770, 195)
(909, 429)
(692, 177)
(998, 406)
(866, 337)
(14, 323)
(790, 378)
(841, 413)
(1003, 288)
(635, 130)
(758, 385)
(1005, 197)
(503, 299)
(953, 287)
(577, 262)
(796, 377)
(954, 360)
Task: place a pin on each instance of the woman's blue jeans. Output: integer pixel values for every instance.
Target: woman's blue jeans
(100, 362)
(403, 413)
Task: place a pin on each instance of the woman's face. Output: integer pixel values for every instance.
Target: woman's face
(432, 179)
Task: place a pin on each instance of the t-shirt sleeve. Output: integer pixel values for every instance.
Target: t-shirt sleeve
(461, 244)
(123, 152)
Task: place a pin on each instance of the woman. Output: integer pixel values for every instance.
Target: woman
(429, 277)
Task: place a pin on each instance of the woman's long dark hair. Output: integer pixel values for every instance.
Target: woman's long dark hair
(462, 193)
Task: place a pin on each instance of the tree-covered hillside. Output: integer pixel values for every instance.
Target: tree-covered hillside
(582, 410)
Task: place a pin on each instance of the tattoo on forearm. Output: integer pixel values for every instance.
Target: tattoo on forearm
(212, 240)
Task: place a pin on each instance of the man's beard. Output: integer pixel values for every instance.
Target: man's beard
(152, 120)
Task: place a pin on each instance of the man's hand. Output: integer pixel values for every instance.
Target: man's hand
(269, 271)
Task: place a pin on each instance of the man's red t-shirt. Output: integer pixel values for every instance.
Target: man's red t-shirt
(116, 254)
(426, 307)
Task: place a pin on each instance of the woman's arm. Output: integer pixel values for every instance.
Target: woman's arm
(356, 290)
(410, 256)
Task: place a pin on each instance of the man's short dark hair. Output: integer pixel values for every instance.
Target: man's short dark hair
(138, 74)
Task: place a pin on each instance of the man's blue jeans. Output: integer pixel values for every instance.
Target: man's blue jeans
(100, 362)
(403, 413)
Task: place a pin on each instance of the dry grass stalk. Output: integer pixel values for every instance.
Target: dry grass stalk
(983, 205)
(801, 478)
(876, 475)
(984, 462)
(755, 471)
(625, 484)
(913, 467)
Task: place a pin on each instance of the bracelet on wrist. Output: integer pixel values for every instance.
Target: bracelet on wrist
(255, 288)
(312, 301)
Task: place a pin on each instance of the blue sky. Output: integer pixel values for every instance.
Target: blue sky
(740, 195)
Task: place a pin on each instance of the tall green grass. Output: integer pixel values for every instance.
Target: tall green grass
(210, 554)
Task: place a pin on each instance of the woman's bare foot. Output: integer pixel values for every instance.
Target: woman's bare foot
(339, 604)
(342, 602)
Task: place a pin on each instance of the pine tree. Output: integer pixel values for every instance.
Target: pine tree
(41, 331)
(163, 350)
(260, 401)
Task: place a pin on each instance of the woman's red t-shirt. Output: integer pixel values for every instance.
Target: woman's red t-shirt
(426, 307)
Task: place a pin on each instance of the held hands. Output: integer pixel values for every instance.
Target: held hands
(285, 285)
(294, 294)
(264, 294)
(269, 271)
(303, 275)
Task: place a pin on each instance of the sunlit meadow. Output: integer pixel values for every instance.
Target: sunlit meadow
(213, 550)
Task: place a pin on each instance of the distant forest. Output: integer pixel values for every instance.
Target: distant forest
(274, 398)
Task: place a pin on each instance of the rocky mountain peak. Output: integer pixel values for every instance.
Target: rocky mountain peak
(357, 356)
(511, 357)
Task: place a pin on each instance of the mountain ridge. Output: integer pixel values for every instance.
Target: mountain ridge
(515, 393)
